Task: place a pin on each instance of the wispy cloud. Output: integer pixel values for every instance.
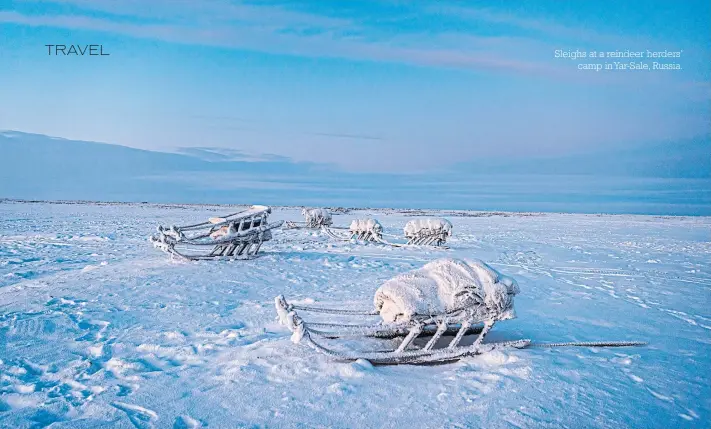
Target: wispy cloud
(537, 25)
(274, 29)
(215, 11)
(280, 29)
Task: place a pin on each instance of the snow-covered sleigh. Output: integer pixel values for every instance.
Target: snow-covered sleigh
(443, 298)
(313, 219)
(418, 232)
(425, 232)
(235, 236)
(360, 229)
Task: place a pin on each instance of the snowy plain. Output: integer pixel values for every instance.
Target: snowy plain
(100, 330)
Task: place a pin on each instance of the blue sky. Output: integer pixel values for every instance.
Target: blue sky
(367, 85)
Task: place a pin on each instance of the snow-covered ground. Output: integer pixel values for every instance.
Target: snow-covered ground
(98, 329)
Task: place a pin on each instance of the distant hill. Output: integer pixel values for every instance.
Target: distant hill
(674, 179)
(38, 166)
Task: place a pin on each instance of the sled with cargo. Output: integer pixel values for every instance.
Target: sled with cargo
(314, 218)
(360, 229)
(445, 298)
(234, 236)
(321, 219)
(417, 232)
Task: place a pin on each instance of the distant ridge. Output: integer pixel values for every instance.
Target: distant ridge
(39, 167)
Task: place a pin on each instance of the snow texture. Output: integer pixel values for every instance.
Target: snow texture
(366, 225)
(427, 226)
(100, 330)
(444, 286)
(317, 217)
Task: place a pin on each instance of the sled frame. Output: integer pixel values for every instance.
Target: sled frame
(246, 230)
(371, 236)
(309, 222)
(434, 327)
(436, 240)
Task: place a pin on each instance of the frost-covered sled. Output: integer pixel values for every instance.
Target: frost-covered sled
(235, 236)
(313, 219)
(418, 232)
(424, 232)
(428, 231)
(444, 297)
(360, 229)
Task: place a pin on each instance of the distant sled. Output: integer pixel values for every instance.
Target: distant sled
(444, 297)
(426, 232)
(235, 236)
(313, 219)
(360, 229)
(418, 232)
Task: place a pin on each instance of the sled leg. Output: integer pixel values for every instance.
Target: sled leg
(477, 343)
(460, 334)
(414, 332)
(231, 248)
(226, 251)
(441, 329)
(256, 247)
(249, 249)
(241, 249)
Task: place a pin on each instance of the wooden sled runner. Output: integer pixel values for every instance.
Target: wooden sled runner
(235, 236)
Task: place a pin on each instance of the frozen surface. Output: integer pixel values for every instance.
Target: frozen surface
(98, 329)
